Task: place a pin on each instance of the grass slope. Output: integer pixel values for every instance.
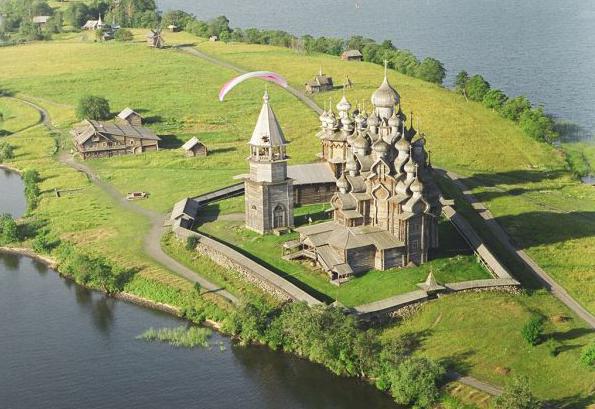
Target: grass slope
(524, 183)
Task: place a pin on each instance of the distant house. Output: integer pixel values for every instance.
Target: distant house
(184, 213)
(154, 39)
(173, 28)
(104, 139)
(41, 20)
(352, 55)
(93, 24)
(130, 117)
(320, 83)
(194, 147)
(213, 38)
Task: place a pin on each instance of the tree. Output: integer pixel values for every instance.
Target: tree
(8, 229)
(30, 31)
(536, 124)
(494, 99)
(177, 18)
(93, 107)
(6, 151)
(513, 108)
(431, 70)
(191, 243)
(219, 25)
(517, 395)
(41, 8)
(533, 330)
(123, 35)
(476, 88)
(415, 382)
(461, 82)
(76, 14)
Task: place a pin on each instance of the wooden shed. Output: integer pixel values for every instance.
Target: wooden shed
(319, 83)
(194, 147)
(130, 117)
(352, 55)
(173, 28)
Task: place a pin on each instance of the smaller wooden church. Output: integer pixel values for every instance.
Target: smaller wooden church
(319, 83)
(194, 147)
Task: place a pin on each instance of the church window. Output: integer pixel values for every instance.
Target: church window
(279, 217)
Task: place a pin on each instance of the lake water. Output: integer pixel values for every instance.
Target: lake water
(62, 346)
(12, 199)
(544, 49)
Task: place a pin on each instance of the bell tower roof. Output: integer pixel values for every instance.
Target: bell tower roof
(267, 132)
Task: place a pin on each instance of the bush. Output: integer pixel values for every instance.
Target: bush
(533, 330)
(415, 382)
(476, 88)
(517, 395)
(588, 355)
(6, 151)
(461, 82)
(431, 70)
(513, 108)
(553, 347)
(123, 35)
(32, 192)
(494, 99)
(537, 125)
(191, 243)
(8, 230)
(44, 242)
(93, 107)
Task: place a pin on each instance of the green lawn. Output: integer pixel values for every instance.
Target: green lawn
(481, 332)
(525, 184)
(454, 262)
(16, 116)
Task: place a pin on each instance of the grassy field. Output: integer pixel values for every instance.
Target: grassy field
(447, 329)
(454, 262)
(524, 183)
(16, 116)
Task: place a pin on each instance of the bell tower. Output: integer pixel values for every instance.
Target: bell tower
(269, 192)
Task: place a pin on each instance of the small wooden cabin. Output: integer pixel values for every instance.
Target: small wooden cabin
(352, 55)
(194, 147)
(104, 139)
(173, 28)
(213, 38)
(320, 83)
(130, 117)
(41, 21)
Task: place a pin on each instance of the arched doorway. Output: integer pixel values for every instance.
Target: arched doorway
(279, 217)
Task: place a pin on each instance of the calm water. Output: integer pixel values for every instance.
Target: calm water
(62, 346)
(544, 49)
(12, 199)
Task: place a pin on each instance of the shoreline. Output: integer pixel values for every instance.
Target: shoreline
(122, 295)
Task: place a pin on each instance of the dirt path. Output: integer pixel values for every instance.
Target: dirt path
(152, 243)
(498, 231)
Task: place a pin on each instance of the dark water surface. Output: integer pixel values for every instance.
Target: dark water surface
(544, 49)
(12, 198)
(62, 346)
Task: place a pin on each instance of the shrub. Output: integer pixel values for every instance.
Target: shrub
(494, 99)
(93, 107)
(553, 347)
(123, 35)
(476, 88)
(415, 382)
(537, 125)
(8, 230)
(461, 82)
(44, 242)
(517, 395)
(32, 192)
(588, 355)
(431, 70)
(6, 151)
(513, 108)
(533, 330)
(191, 243)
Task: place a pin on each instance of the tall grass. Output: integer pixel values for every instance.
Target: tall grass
(191, 337)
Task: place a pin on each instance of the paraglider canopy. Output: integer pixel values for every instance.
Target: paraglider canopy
(264, 75)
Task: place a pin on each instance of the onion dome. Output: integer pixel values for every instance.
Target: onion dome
(394, 120)
(381, 147)
(347, 122)
(351, 165)
(323, 116)
(410, 166)
(342, 183)
(417, 186)
(385, 96)
(403, 145)
(374, 120)
(360, 121)
(343, 105)
(361, 142)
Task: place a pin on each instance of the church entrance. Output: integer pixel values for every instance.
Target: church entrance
(279, 217)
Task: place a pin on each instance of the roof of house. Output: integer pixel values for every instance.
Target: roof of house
(185, 207)
(312, 173)
(126, 112)
(91, 24)
(41, 19)
(191, 143)
(352, 53)
(107, 128)
(267, 131)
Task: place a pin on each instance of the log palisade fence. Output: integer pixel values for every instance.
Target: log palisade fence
(283, 289)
